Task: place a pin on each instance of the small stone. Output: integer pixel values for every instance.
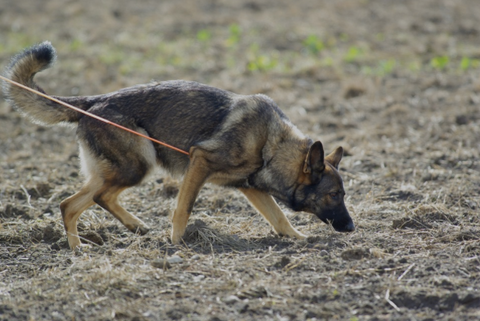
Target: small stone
(313, 239)
(161, 264)
(324, 253)
(231, 299)
(198, 278)
(196, 257)
(175, 259)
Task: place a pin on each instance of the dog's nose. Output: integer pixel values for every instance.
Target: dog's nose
(350, 227)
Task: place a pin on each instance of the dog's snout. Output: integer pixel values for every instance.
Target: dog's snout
(350, 227)
(344, 226)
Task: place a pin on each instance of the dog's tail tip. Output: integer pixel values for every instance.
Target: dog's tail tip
(32, 60)
(44, 53)
(22, 69)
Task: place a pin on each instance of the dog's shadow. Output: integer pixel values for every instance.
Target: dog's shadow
(205, 239)
(199, 238)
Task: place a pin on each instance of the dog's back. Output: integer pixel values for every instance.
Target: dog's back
(178, 112)
(181, 113)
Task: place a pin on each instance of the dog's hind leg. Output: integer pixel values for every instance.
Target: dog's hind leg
(73, 207)
(112, 161)
(105, 195)
(107, 198)
(267, 206)
(197, 173)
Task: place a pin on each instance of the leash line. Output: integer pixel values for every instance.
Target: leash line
(93, 115)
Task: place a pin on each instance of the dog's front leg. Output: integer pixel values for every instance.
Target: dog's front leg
(196, 175)
(267, 206)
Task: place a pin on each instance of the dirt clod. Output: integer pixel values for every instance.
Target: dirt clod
(284, 261)
(51, 234)
(169, 190)
(355, 254)
(91, 236)
(354, 91)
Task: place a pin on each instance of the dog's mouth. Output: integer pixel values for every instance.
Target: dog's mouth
(341, 226)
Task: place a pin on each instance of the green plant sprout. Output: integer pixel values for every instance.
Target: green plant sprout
(386, 67)
(468, 63)
(353, 54)
(235, 33)
(204, 35)
(75, 45)
(439, 62)
(313, 44)
(262, 63)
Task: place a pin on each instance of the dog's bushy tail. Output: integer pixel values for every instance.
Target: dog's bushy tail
(22, 69)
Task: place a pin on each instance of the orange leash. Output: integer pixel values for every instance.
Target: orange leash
(93, 116)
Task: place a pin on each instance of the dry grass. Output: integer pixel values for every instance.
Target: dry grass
(410, 131)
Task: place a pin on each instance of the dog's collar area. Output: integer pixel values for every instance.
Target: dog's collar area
(291, 200)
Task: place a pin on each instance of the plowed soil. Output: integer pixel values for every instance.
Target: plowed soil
(396, 83)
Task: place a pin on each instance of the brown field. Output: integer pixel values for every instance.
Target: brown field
(396, 83)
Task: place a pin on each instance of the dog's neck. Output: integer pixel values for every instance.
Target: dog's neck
(272, 177)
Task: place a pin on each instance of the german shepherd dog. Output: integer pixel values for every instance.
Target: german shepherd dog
(233, 140)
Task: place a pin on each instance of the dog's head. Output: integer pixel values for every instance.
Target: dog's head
(320, 190)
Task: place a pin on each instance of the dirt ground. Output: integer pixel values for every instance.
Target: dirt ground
(396, 83)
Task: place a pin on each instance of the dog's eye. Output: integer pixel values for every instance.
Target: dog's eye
(334, 195)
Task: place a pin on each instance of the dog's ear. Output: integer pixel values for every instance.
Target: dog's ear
(314, 162)
(335, 157)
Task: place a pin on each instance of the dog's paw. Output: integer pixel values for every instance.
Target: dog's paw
(300, 236)
(141, 229)
(176, 238)
(293, 233)
(73, 241)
